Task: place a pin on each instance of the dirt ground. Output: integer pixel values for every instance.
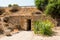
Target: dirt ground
(29, 35)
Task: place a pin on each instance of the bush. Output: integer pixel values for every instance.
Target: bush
(52, 1)
(41, 4)
(51, 7)
(53, 10)
(14, 5)
(9, 5)
(43, 27)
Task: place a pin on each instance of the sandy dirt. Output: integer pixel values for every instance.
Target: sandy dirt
(29, 35)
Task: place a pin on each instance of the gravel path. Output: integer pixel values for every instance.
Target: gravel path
(29, 35)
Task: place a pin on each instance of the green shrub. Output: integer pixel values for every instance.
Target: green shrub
(52, 1)
(43, 27)
(41, 4)
(51, 7)
(9, 5)
(53, 10)
(15, 5)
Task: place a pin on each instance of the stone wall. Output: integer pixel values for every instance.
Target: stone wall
(8, 24)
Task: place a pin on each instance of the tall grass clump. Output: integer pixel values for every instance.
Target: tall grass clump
(43, 27)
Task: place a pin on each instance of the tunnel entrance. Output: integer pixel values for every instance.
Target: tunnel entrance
(28, 24)
(58, 22)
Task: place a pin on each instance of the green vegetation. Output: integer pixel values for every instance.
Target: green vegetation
(52, 1)
(43, 27)
(51, 7)
(41, 4)
(9, 5)
(53, 10)
(14, 5)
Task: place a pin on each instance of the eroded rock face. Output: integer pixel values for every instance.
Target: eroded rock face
(15, 20)
(2, 11)
(5, 19)
(14, 10)
(8, 25)
(1, 31)
(16, 23)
